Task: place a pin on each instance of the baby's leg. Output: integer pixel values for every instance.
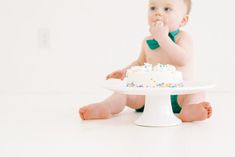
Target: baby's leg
(194, 107)
(135, 101)
(104, 109)
(112, 105)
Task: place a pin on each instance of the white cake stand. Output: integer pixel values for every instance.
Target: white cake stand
(158, 110)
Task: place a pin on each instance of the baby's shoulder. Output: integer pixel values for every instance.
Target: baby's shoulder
(182, 35)
(144, 42)
(148, 38)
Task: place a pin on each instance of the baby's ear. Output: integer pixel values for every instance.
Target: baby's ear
(184, 21)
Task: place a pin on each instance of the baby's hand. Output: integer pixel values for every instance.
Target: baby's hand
(159, 30)
(118, 74)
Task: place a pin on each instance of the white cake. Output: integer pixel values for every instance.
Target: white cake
(160, 75)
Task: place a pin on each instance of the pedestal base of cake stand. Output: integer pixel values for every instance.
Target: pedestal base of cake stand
(158, 112)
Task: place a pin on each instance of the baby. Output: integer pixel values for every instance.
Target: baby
(167, 44)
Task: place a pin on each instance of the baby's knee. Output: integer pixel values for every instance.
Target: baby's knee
(135, 101)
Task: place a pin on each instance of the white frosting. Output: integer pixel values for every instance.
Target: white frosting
(161, 75)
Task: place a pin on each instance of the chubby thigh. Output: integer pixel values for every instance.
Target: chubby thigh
(135, 101)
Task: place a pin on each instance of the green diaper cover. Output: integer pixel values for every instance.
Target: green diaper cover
(174, 104)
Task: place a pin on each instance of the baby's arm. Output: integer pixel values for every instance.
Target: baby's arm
(121, 73)
(179, 53)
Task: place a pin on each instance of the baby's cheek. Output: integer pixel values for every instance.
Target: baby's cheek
(150, 22)
(149, 19)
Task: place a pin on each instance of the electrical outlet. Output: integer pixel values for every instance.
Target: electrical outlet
(44, 38)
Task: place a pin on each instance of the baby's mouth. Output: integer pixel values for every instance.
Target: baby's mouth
(158, 20)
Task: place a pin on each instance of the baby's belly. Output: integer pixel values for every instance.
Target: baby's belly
(155, 57)
(155, 61)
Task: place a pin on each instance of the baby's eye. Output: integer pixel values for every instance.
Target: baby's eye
(167, 9)
(152, 8)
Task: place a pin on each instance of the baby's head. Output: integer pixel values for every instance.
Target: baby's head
(173, 13)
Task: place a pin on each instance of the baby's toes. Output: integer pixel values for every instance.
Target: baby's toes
(208, 107)
(209, 111)
(81, 113)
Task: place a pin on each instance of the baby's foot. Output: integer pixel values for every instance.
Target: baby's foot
(95, 111)
(195, 112)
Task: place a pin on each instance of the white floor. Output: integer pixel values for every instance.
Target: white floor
(47, 125)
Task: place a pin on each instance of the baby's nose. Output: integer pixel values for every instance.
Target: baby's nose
(158, 13)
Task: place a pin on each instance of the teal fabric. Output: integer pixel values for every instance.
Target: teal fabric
(174, 104)
(153, 44)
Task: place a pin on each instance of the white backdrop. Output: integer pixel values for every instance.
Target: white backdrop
(70, 45)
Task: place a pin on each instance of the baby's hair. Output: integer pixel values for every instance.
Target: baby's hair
(188, 4)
